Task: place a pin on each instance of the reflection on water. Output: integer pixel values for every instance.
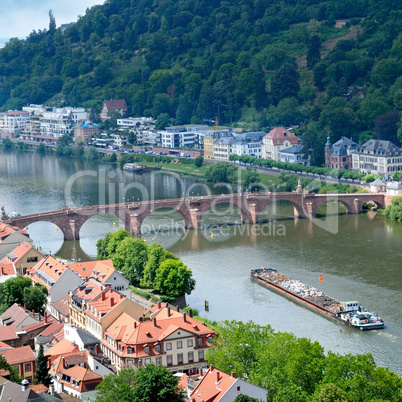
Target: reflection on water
(359, 261)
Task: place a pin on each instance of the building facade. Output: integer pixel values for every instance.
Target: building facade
(379, 157)
(339, 155)
(277, 139)
(295, 154)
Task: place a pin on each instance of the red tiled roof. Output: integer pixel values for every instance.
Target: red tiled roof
(61, 305)
(8, 333)
(82, 375)
(7, 268)
(58, 364)
(4, 345)
(100, 270)
(280, 134)
(116, 104)
(39, 388)
(23, 354)
(64, 346)
(6, 230)
(212, 386)
(53, 328)
(104, 302)
(4, 373)
(88, 290)
(50, 267)
(17, 315)
(19, 252)
(16, 113)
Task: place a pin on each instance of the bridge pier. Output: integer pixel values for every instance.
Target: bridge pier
(195, 219)
(356, 206)
(135, 225)
(75, 230)
(253, 213)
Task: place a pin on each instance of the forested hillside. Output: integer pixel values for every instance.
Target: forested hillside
(261, 62)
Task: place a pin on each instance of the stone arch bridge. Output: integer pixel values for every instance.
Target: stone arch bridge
(250, 205)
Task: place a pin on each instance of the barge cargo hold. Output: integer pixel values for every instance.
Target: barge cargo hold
(349, 313)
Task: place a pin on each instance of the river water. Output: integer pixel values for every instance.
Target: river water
(360, 260)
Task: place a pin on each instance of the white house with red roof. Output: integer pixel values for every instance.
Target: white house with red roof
(118, 105)
(277, 139)
(103, 271)
(162, 336)
(217, 386)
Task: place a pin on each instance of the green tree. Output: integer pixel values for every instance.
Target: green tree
(250, 177)
(91, 154)
(394, 211)
(117, 387)
(7, 144)
(329, 393)
(42, 371)
(198, 161)
(35, 298)
(285, 83)
(173, 278)
(220, 172)
(245, 398)
(162, 121)
(238, 347)
(314, 53)
(156, 255)
(147, 384)
(106, 247)
(14, 376)
(130, 258)
(41, 150)
(12, 290)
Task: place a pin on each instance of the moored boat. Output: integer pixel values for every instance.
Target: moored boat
(349, 313)
(137, 168)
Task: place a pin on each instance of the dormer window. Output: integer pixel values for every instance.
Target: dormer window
(146, 349)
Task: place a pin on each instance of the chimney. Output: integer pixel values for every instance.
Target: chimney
(217, 375)
(159, 304)
(168, 313)
(135, 324)
(97, 349)
(190, 313)
(141, 319)
(200, 372)
(102, 296)
(184, 317)
(64, 362)
(111, 302)
(39, 317)
(233, 375)
(25, 307)
(45, 316)
(155, 322)
(33, 313)
(25, 385)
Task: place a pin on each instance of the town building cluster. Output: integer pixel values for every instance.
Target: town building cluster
(93, 326)
(39, 124)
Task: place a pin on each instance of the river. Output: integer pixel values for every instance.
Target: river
(360, 260)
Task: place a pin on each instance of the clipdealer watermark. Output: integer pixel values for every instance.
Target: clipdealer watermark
(124, 199)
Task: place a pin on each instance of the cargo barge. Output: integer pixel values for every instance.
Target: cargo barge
(349, 313)
(137, 168)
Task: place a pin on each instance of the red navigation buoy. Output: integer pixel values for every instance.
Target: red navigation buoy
(320, 278)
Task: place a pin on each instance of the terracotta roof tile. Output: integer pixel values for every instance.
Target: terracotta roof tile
(8, 333)
(116, 104)
(61, 305)
(280, 134)
(63, 347)
(7, 268)
(18, 355)
(100, 270)
(212, 386)
(19, 252)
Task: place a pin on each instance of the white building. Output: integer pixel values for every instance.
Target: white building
(248, 144)
(376, 156)
(131, 123)
(295, 154)
(60, 121)
(183, 136)
(394, 188)
(14, 122)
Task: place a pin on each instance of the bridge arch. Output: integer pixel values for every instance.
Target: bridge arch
(348, 203)
(298, 210)
(161, 214)
(105, 223)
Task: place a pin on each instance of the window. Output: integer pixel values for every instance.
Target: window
(29, 379)
(168, 345)
(169, 360)
(190, 356)
(210, 339)
(158, 361)
(179, 344)
(189, 343)
(130, 351)
(200, 355)
(180, 358)
(146, 349)
(147, 361)
(32, 259)
(157, 348)
(199, 341)
(28, 367)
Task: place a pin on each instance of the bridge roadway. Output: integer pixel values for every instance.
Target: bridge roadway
(250, 205)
